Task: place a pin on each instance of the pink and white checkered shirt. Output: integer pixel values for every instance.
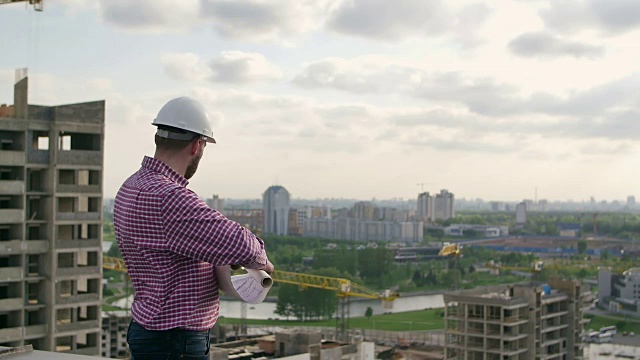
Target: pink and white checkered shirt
(170, 241)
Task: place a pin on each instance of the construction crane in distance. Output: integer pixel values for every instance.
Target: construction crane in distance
(423, 184)
(450, 250)
(454, 252)
(344, 288)
(38, 5)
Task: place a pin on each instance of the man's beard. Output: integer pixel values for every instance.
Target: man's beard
(193, 166)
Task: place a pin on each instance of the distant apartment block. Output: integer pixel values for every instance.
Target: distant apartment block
(444, 206)
(498, 206)
(363, 210)
(51, 171)
(425, 207)
(362, 230)
(216, 202)
(390, 214)
(440, 207)
(276, 205)
(297, 218)
(521, 213)
(516, 322)
(631, 200)
(114, 334)
(619, 293)
(252, 219)
(543, 205)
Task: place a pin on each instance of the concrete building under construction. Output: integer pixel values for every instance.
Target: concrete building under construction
(516, 322)
(51, 163)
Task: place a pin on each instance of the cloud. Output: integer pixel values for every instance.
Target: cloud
(185, 66)
(367, 74)
(390, 20)
(609, 17)
(294, 122)
(395, 20)
(540, 44)
(150, 15)
(461, 145)
(480, 95)
(283, 21)
(242, 67)
(235, 67)
(258, 20)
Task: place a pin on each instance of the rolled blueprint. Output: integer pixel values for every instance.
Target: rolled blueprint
(251, 287)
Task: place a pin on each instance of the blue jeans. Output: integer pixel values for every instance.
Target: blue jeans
(168, 344)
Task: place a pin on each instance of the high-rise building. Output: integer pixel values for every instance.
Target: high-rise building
(363, 210)
(216, 203)
(51, 171)
(297, 220)
(444, 205)
(275, 203)
(498, 206)
(543, 205)
(631, 200)
(425, 207)
(521, 213)
(253, 219)
(516, 322)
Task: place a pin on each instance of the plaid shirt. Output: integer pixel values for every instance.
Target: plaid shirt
(170, 241)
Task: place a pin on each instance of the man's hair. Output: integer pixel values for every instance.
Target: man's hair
(172, 144)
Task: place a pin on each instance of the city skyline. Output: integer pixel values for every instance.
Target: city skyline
(333, 99)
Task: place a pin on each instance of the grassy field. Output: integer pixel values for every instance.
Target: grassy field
(598, 321)
(407, 321)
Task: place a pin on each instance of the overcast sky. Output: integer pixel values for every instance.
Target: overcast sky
(355, 98)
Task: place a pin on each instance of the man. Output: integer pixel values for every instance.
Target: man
(171, 240)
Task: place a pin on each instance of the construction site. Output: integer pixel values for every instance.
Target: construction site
(51, 167)
(516, 322)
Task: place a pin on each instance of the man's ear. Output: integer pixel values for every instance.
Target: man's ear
(195, 147)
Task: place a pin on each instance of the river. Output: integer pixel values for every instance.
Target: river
(357, 307)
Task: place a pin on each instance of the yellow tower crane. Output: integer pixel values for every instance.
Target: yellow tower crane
(38, 5)
(344, 288)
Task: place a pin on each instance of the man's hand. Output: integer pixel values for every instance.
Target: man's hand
(268, 268)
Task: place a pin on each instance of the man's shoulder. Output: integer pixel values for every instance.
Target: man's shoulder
(150, 183)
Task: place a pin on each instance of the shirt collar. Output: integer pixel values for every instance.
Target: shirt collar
(156, 165)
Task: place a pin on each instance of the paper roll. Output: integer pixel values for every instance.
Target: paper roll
(251, 287)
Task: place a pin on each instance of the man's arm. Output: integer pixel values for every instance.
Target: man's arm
(195, 230)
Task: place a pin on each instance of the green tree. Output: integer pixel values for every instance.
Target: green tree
(369, 312)
(582, 247)
(286, 299)
(375, 263)
(114, 251)
(431, 278)
(417, 277)
(308, 303)
(451, 278)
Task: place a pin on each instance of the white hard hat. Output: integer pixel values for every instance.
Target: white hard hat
(186, 114)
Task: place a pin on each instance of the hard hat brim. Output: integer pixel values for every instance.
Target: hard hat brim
(188, 136)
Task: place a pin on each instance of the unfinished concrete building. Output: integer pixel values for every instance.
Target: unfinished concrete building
(51, 161)
(516, 322)
(114, 334)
